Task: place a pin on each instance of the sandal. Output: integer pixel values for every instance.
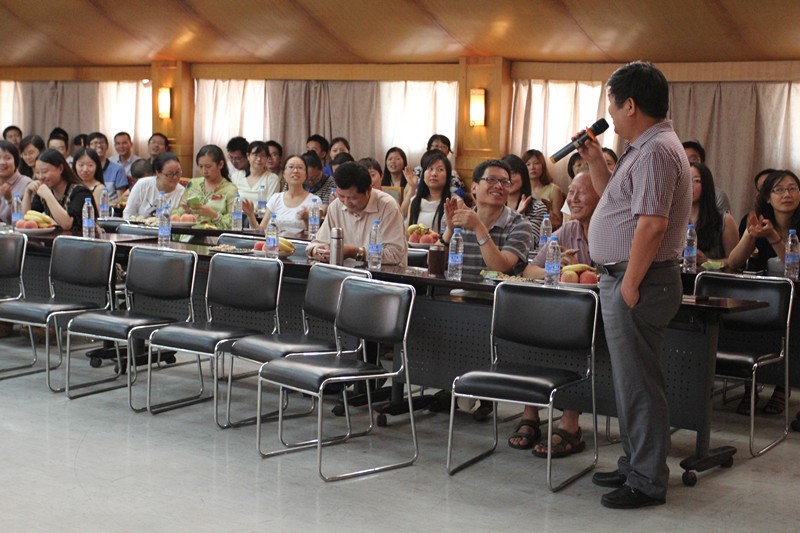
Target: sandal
(776, 402)
(744, 404)
(527, 438)
(570, 443)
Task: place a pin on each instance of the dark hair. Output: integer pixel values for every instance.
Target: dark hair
(697, 147)
(54, 157)
(96, 135)
(341, 158)
(80, 140)
(162, 159)
(59, 133)
(28, 140)
(142, 167)
(98, 166)
(612, 153)
(545, 178)
(761, 173)
(166, 140)
(275, 144)
(644, 84)
(11, 128)
(370, 162)
(763, 207)
(352, 174)
(571, 163)
(442, 139)
(311, 159)
(516, 164)
(121, 134)
(9, 147)
(709, 219)
(342, 140)
(479, 171)
(324, 145)
(215, 153)
(387, 176)
(304, 160)
(428, 160)
(237, 144)
(257, 147)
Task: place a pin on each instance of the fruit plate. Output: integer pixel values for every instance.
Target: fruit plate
(282, 255)
(424, 245)
(37, 231)
(183, 224)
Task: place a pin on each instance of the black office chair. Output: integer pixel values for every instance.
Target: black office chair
(320, 302)
(81, 272)
(158, 292)
(242, 296)
(752, 340)
(12, 263)
(369, 310)
(562, 320)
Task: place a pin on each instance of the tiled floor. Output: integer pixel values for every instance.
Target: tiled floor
(93, 465)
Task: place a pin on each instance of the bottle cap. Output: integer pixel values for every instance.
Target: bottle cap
(553, 238)
(792, 232)
(376, 221)
(691, 226)
(87, 200)
(273, 215)
(457, 230)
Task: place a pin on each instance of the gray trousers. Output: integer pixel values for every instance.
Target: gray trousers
(635, 338)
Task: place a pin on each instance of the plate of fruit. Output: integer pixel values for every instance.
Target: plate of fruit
(421, 236)
(580, 275)
(186, 220)
(34, 222)
(285, 248)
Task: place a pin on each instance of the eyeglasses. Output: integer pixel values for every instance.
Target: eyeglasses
(173, 175)
(295, 167)
(236, 158)
(497, 181)
(780, 191)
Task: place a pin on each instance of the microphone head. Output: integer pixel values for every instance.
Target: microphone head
(599, 127)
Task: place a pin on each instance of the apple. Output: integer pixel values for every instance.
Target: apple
(589, 277)
(188, 217)
(414, 237)
(175, 218)
(428, 238)
(569, 276)
(30, 224)
(259, 246)
(21, 223)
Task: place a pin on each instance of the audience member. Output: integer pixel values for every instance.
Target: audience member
(79, 141)
(375, 171)
(275, 158)
(59, 140)
(339, 145)
(358, 205)
(758, 180)
(340, 158)
(611, 158)
(520, 198)
(543, 187)
(249, 185)
(575, 165)
(237, 158)
(210, 197)
(319, 144)
(87, 167)
(124, 157)
(396, 175)
(695, 153)
(11, 181)
(158, 143)
(141, 169)
(716, 233)
(317, 182)
(440, 142)
(113, 174)
(427, 206)
(29, 149)
(13, 135)
(144, 194)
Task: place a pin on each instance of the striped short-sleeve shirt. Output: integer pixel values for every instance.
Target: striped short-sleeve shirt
(651, 178)
(511, 233)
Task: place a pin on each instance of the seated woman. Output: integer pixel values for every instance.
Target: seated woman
(58, 191)
(339, 145)
(520, 198)
(716, 233)
(11, 181)
(291, 207)
(143, 198)
(396, 175)
(427, 206)
(210, 197)
(375, 171)
(543, 187)
(340, 159)
(258, 175)
(87, 166)
(776, 212)
(29, 149)
(442, 143)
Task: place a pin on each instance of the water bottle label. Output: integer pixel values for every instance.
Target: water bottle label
(542, 241)
(376, 249)
(313, 220)
(15, 217)
(792, 259)
(455, 259)
(164, 231)
(88, 223)
(262, 205)
(552, 269)
(272, 242)
(690, 251)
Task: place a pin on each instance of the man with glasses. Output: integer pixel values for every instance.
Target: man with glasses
(114, 177)
(157, 144)
(238, 165)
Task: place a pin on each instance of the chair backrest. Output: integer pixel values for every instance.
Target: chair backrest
(376, 311)
(244, 282)
(12, 261)
(238, 240)
(161, 274)
(83, 262)
(547, 317)
(323, 287)
(137, 229)
(777, 292)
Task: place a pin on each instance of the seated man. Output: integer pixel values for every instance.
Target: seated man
(114, 177)
(567, 438)
(125, 157)
(356, 207)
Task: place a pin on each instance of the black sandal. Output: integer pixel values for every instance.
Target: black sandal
(528, 439)
(570, 443)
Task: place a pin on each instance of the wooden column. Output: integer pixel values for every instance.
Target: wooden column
(179, 128)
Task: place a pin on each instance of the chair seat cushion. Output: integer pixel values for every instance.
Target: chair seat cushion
(36, 310)
(519, 383)
(740, 364)
(308, 372)
(264, 348)
(199, 337)
(114, 324)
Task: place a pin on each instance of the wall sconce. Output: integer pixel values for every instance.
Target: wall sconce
(477, 107)
(164, 102)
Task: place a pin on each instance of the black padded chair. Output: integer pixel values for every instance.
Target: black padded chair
(536, 317)
(137, 229)
(752, 340)
(158, 291)
(12, 263)
(80, 279)
(320, 302)
(369, 310)
(242, 296)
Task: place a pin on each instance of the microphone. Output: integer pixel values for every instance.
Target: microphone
(591, 133)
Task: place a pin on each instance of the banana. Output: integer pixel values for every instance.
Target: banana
(417, 228)
(580, 267)
(285, 246)
(41, 219)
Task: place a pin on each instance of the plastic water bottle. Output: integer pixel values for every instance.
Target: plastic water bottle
(164, 221)
(105, 210)
(545, 231)
(272, 246)
(313, 220)
(331, 196)
(792, 257)
(375, 250)
(262, 201)
(88, 219)
(690, 251)
(236, 213)
(552, 262)
(16, 212)
(455, 257)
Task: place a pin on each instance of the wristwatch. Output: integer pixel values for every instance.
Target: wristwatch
(483, 241)
(361, 253)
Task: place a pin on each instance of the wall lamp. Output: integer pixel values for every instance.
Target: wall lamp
(477, 107)
(164, 102)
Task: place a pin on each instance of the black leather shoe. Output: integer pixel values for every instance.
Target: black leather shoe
(626, 497)
(609, 479)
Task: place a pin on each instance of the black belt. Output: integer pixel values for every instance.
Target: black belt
(619, 267)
